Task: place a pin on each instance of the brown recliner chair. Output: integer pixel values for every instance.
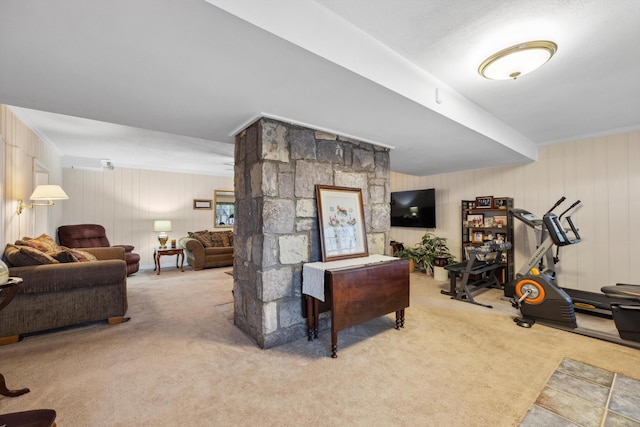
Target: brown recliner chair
(94, 236)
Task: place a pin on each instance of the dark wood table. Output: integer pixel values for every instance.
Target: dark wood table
(32, 418)
(9, 289)
(158, 252)
(358, 294)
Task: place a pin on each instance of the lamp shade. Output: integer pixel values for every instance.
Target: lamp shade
(49, 192)
(162, 225)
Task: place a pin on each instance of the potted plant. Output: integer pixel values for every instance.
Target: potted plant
(432, 251)
(436, 252)
(411, 254)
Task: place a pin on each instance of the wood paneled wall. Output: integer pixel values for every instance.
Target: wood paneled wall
(21, 150)
(127, 201)
(603, 172)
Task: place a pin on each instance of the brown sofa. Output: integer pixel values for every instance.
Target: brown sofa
(94, 236)
(204, 249)
(65, 293)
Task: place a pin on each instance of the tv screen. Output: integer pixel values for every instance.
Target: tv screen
(416, 208)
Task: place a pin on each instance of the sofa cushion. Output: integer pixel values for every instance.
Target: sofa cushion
(20, 256)
(43, 242)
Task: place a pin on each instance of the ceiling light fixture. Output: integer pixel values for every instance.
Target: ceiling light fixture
(517, 60)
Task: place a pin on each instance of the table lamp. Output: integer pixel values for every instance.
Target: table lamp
(162, 226)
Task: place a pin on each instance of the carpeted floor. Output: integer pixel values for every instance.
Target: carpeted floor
(181, 361)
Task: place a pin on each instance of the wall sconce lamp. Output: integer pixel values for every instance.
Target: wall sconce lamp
(43, 192)
(517, 60)
(162, 226)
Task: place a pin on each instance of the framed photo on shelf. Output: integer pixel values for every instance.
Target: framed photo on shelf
(475, 220)
(500, 203)
(484, 202)
(342, 229)
(500, 221)
(501, 237)
(477, 237)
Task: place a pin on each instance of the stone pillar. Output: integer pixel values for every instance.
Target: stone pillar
(276, 227)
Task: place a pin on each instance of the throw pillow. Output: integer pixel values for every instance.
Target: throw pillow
(63, 255)
(20, 256)
(82, 256)
(43, 243)
(219, 239)
(203, 237)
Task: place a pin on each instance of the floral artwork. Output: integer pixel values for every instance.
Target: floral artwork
(341, 218)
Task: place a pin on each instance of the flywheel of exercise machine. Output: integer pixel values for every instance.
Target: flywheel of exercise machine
(534, 287)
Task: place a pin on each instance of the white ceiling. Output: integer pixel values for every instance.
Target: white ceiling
(165, 84)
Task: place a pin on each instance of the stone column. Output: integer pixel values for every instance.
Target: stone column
(276, 227)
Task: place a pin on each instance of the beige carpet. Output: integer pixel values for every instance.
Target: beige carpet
(180, 361)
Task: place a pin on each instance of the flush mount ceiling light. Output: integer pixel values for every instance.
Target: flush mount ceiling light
(517, 60)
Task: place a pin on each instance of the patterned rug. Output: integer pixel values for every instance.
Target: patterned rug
(578, 394)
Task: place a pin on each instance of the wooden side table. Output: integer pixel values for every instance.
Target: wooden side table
(158, 252)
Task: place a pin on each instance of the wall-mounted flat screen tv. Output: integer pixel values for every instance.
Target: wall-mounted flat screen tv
(415, 208)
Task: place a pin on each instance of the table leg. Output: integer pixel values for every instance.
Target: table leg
(334, 343)
(309, 308)
(158, 263)
(155, 261)
(181, 261)
(10, 393)
(316, 316)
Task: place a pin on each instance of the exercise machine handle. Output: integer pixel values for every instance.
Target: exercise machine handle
(558, 203)
(569, 208)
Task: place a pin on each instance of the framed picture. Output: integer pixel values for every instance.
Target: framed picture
(477, 237)
(484, 202)
(341, 218)
(201, 204)
(475, 220)
(500, 203)
(501, 237)
(500, 221)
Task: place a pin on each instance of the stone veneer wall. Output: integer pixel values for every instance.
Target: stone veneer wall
(276, 228)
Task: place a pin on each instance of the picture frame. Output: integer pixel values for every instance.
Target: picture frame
(500, 203)
(484, 202)
(501, 237)
(343, 233)
(202, 204)
(500, 221)
(475, 220)
(477, 237)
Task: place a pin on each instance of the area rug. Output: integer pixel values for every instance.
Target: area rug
(579, 394)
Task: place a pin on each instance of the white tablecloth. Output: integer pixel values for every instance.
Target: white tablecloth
(313, 272)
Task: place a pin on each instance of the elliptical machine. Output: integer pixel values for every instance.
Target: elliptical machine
(538, 297)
